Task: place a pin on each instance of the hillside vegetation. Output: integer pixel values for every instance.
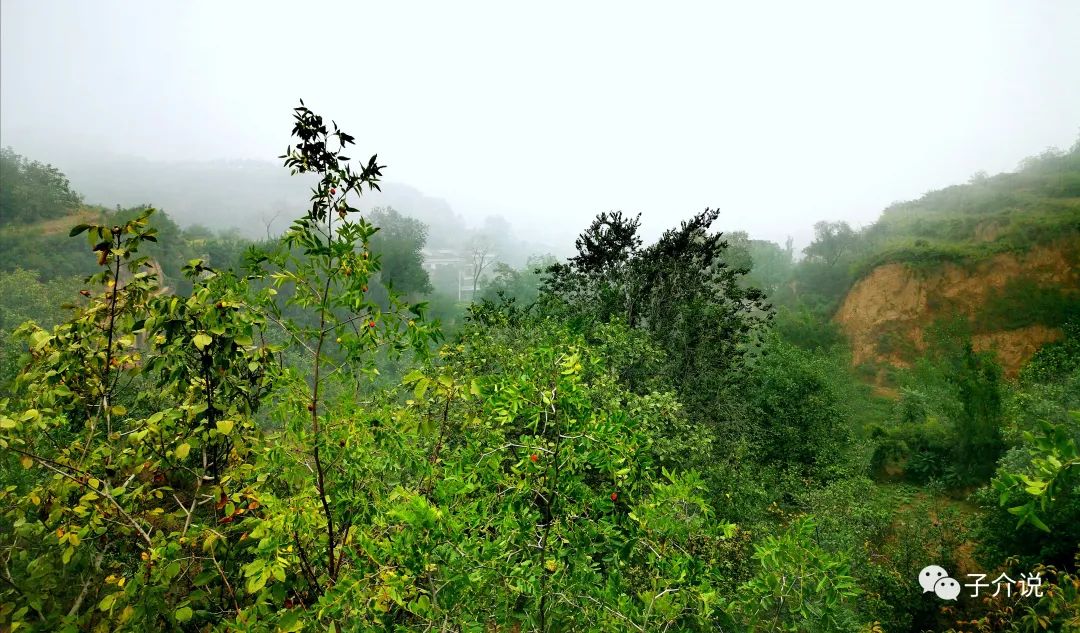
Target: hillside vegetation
(1009, 212)
(1000, 252)
(215, 434)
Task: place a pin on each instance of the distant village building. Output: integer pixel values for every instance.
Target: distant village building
(450, 271)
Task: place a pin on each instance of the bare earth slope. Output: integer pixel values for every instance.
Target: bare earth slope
(886, 313)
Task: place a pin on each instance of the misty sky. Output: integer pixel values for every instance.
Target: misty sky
(780, 114)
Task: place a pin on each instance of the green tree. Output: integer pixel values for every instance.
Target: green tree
(400, 243)
(523, 286)
(680, 290)
(224, 459)
(31, 191)
(798, 411)
(833, 241)
(968, 389)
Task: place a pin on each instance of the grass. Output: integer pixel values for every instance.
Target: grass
(966, 224)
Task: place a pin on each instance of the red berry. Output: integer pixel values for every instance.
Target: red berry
(614, 496)
(371, 324)
(534, 457)
(333, 191)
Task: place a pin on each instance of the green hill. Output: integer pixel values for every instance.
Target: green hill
(1000, 253)
(1008, 212)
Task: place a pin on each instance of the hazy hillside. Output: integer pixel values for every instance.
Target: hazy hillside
(562, 356)
(640, 409)
(1009, 212)
(259, 197)
(1002, 253)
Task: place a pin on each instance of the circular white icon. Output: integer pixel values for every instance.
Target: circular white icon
(947, 588)
(929, 576)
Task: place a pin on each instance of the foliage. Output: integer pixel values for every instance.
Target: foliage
(1021, 303)
(49, 253)
(769, 265)
(32, 191)
(1058, 608)
(276, 442)
(169, 252)
(400, 240)
(1055, 362)
(832, 242)
(797, 414)
(678, 290)
(1031, 510)
(1053, 456)
(966, 390)
(523, 286)
(803, 327)
(25, 297)
(98, 534)
(800, 587)
(209, 461)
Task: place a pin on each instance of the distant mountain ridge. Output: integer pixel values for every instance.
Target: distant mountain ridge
(259, 198)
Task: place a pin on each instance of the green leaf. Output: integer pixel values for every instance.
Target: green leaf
(183, 450)
(1037, 522)
(75, 230)
(254, 567)
(201, 340)
(183, 614)
(225, 427)
(173, 570)
(256, 582)
(290, 622)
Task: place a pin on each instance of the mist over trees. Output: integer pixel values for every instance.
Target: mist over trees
(355, 416)
(31, 191)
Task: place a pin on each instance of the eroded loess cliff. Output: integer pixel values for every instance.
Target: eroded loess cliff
(1011, 300)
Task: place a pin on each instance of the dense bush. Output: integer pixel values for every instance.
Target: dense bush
(798, 413)
(172, 465)
(24, 297)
